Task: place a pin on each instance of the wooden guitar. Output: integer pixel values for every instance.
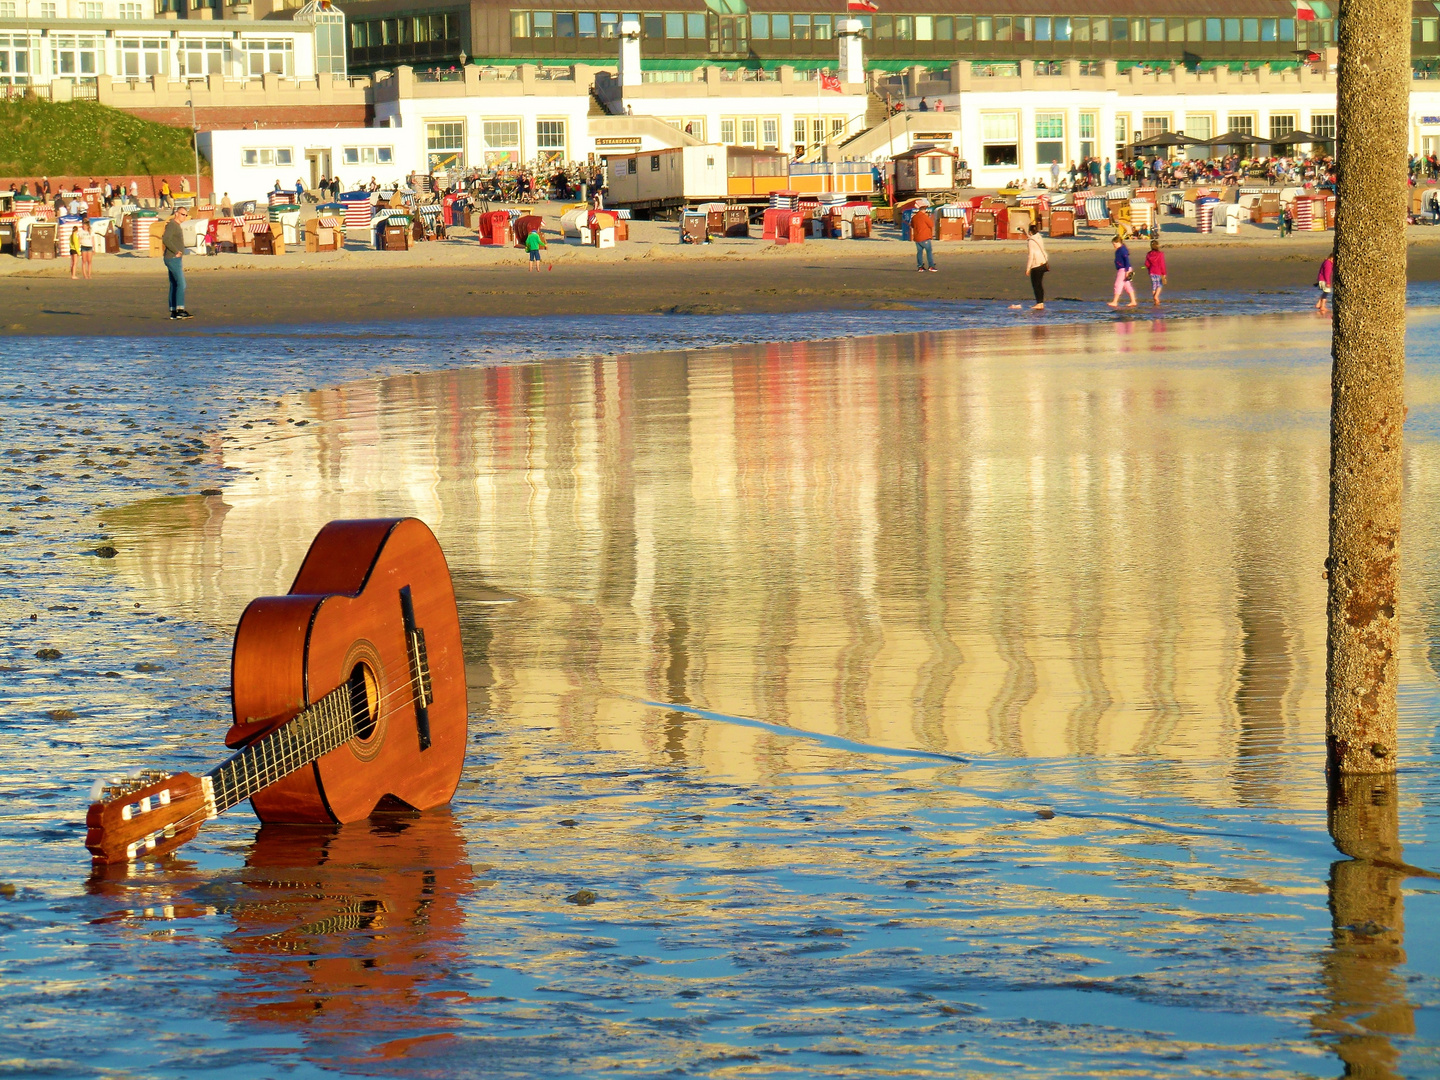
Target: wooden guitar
(346, 691)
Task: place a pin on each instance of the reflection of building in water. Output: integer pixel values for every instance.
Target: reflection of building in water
(1067, 540)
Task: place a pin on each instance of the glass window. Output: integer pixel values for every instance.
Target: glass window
(1120, 29)
(747, 132)
(1049, 137)
(1251, 29)
(550, 139)
(1100, 29)
(654, 24)
(1138, 30)
(984, 28)
(1212, 30)
(351, 155)
(1062, 27)
(824, 27)
(800, 27)
(924, 28)
(1269, 29)
(585, 24)
(1242, 124)
(543, 24)
(1428, 29)
(800, 131)
(1198, 127)
(283, 156)
(1194, 29)
(1287, 29)
(384, 155)
(1003, 31)
(1232, 29)
(771, 130)
(1082, 29)
(1000, 135)
(564, 24)
(944, 28)
(1175, 29)
(904, 28)
(1323, 124)
(1042, 29)
(609, 24)
(1157, 29)
(1281, 124)
(695, 25)
(727, 132)
(674, 24)
(780, 26)
(760, 27)
(250, 157)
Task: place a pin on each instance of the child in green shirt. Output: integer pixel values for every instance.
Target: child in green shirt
(533, 243)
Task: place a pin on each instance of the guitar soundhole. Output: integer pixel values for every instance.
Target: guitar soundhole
(363, 700)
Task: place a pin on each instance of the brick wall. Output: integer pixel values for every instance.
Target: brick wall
(274, 116)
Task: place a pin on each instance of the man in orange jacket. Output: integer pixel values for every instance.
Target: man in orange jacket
(922, 231)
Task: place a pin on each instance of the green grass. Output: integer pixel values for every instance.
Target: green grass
(81, 138)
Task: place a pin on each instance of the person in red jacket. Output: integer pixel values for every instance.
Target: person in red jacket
(922, 231)
(1155, 267)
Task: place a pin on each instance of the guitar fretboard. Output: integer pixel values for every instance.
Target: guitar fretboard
(313, 732)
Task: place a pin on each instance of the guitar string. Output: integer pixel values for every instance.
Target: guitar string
(299, 751)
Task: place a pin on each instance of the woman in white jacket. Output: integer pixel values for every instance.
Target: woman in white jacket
(1037, 264)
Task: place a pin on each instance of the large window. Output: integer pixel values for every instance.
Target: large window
(330, 43)
(272, 56)
(1049, 137)
(141, 58)
(727, 132)
(1199, 127)
(267, 156)
(1122, 132)
(445, 145)
(1323, 124)
(75, 57)
(1000, 135)
(1150, 126)
(368, 155)
(502, 142)
(14, 60)
(1241, 124)
(1281, 124)
(201, 58)
(550, 139)
(770, 131)
(1088, 123)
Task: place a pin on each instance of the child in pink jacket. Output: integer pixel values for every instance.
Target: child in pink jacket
(1155, 267)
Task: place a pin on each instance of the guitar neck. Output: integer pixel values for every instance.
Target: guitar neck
(312, 733)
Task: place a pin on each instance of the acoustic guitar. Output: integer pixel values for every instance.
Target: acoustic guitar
(348, 691)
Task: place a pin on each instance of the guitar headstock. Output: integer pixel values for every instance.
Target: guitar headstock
(146, 815)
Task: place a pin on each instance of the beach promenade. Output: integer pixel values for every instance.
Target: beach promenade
(651, 273)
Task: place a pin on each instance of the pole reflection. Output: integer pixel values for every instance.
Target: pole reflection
(1367, 1000)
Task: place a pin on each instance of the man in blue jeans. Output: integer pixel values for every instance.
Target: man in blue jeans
(173, 240)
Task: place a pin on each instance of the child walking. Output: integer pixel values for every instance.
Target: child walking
(533, 243)
(1155, 267)
(1123, 274)
(1325, 282)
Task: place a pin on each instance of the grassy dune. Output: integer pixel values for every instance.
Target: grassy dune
(82, 138)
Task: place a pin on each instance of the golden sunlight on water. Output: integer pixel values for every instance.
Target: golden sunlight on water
(1076, 540)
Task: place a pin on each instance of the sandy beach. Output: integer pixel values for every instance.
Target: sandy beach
(652, 273)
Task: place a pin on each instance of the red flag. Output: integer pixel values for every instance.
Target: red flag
(864, 5)
(1303, 11)
(829, 82)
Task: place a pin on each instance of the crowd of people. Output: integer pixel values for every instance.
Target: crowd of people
(1232, 169)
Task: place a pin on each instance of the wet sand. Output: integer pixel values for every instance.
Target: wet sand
(459, 278)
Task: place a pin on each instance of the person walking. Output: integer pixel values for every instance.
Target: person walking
(922, 231)
(173, 240)
(1124, 274)
(1325, 282)
(1155, 267)
(533, 243)
(1037, 265)
(165, 192)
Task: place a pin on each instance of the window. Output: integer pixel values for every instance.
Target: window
(330, 57)
(130, 11)
(1323, 125)
(1232, 29)
(984, 28)
(268, 156)
(1002, 30)
(1151, 126)
(747, 132)
(817, 129)
(1122, 131)
(1194, 29)
(824, 26)
(275, 56)
(780, 27)
(1000, 134)
(1042, 29)
(1269, 29)
(1119, 29)
(564, 24)
(695, 25)
(1250, 29)
(654, 25)
(1199, 127)
(1049, 137)
(1212, 30)
(1175, 29)
(800, 27)
(727, 132)
(502, 141)
(550, 140)
(1281, 124)
(201, 58)
(445, 145)
(837, 127)
(770, 129)
(904, 28)
(609, 24)
(519, 24)
(7, 11)
(368, 155)
(1100, 30)
(1241, 124)
(675, 25)
(47, 11)
(140, 58)
(1062, 27)
(944, 28)
(1157, 29)
(1428, 30)
(1287, 29)
(542, 24)
(760, 27)
(1088, 124)
(964, 28)
(14, 60)
(800, 130)
(695, 127)
(934, 165)
(75, 57)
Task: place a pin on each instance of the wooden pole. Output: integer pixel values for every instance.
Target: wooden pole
(1367, 407)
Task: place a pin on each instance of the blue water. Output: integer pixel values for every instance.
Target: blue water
(941, 702)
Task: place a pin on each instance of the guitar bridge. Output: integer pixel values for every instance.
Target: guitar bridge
(420, 684)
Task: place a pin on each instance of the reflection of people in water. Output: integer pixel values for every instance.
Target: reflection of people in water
(1367, 910)
(346, 926)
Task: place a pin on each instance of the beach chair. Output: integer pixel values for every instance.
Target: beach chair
(224, 236)
(262, 243)
(737, 221)
(42, 240)
(1062, 222)
(986, 225)
(1268, 208)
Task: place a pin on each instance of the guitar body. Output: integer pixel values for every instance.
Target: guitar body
(342, 622)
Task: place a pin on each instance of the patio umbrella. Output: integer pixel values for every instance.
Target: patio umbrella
(1297, 137)
(1235, 138)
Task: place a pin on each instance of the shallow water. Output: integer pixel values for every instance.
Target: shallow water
(942, 702)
